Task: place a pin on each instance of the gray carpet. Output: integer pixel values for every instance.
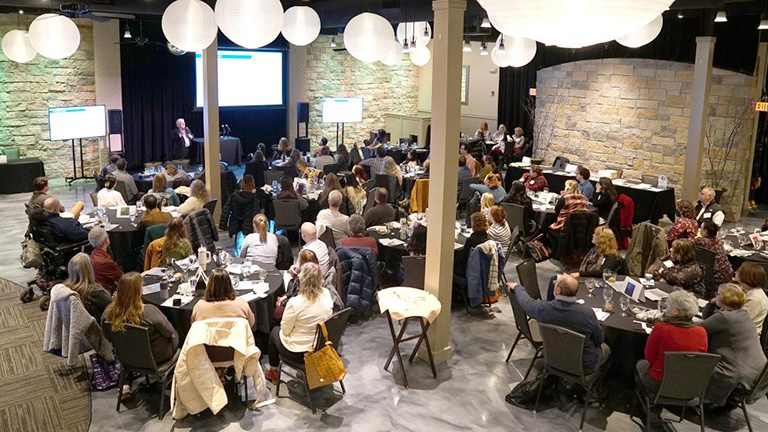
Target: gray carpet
(38, 392)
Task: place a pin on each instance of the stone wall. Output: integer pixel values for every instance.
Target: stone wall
(384, 89)
(632, 114)
(28, 90)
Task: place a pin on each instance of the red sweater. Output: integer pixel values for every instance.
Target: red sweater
(667, 337)
(105, 269)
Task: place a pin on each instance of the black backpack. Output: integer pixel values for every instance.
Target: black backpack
(524, 393)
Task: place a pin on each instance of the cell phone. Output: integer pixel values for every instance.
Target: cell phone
(177, 302)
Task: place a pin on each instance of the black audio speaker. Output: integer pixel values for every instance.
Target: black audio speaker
(115, 121)
(302, 112)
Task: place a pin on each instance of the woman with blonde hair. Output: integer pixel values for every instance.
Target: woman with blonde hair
(260, 245)
(80, 279)
(165, 195)
(391, 168)
(198, 197)
(486, 202)
(752, 279)
(172, 173)
(570, 201)
(173, 245)
(295, 336)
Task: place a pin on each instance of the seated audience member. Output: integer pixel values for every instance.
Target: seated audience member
(305, 171)
(165, 195)
(360, 174)
(198, 197)
(491, 184)
(333, 219)
(391, 168)
(376, 163)
(764, 228)
(108, 196)
(565, 312)
(291, 168)
(680, 268)
(519, 139)
(417, 243)
(109, 169)
(412, 159)
(518, 196)
(501, 138)
(487, 167)
(324, 159)
(305, 257)
(674, 333)
(479, 235)
(380, 138)
(295, 336)
(357, 236)
(464, 173)
(605, 197)
(154, 214)
(173, 175)
(283, 149)
(243, 205)
(332, 183)
(707, 208)
(40, 184)
(80, 279)
(499, 229)
(469, 161)
(484, 129)
(173, 245)
(685, 226)
(131, 191)
(585, 186)
(65, 230)
(732, 335)
(354, 191)
(221, 301)
(311, 242)
(322, 144)
(342, 157)
(381, 212)
(287, 192)
(709, 241)
(752, 279)
(486, 202)
(569, 202)
(105, 269)
(260, 245)
(535, 180)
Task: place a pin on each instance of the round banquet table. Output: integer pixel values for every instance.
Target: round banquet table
(757, 257)
(392, 256)
(125, 240)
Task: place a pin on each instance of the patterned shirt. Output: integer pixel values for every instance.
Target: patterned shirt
(683, 228)
(535, 184)
(723, 269)
(376, 164)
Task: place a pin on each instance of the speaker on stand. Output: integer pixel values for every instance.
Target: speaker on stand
(302, 116)
(115, 122)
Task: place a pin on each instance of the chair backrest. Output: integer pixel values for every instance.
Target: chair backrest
(466, 192)
(365, 152)
(335, 325)
(414, 271)
(388, 182)
(331, 168)
(521, 318)
(686, 375)
(371, 200)
(122, 188)
(211, 205)
(368, 185)
(94, 199)
(759, 387)
(133, 347)
(563, 350)
(526, 272)
(515, 217)
(271, 176)
(287, 214)
(706, 258)
(651, 180)
(220, 354)
(327, 238)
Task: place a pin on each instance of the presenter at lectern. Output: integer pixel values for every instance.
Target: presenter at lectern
(181, 139)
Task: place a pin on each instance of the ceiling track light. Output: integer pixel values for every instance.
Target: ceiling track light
(406, 47)
(467, 46)
(486, 23)
(333, 42)
(413, 42)
(721, 17)
(502, 49)
(127, 34)
(680, 14)
(483, 49)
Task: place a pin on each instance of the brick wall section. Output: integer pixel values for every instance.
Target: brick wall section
(384, 89)
(28, 90)
(632, 114)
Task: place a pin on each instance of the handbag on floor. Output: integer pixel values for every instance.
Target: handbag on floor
(105, 374)
(536, 249)
(323, 366)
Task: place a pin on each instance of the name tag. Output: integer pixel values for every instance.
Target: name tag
(707, 216)
(669, 264)
(532, 182)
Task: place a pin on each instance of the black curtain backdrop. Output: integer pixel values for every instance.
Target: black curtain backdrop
(735, 49)
(159, 87)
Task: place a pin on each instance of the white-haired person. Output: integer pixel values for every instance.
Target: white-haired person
(311, 242)
(181, 139)
(333, 219)
(105, 269)
(708, 209)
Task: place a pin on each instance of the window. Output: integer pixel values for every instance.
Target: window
(465, 85)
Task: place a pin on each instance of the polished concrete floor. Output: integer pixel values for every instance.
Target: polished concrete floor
(468, 394)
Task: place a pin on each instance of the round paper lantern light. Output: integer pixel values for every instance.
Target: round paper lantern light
(644, 35)
(189, 25)
(16, 46)
(301, 25)
(499, 58)
(572, 24)
(393, 54)
(54, 36)
(417, 29)
(367, 36)
(420, 56)
(250, 23)
(519, 50)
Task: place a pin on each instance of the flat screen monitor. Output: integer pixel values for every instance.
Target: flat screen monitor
(342, 110)
(246, 78)
(68, 123)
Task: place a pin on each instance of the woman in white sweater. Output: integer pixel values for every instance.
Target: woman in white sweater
(108, 196)
(198, 197)
(296, 333)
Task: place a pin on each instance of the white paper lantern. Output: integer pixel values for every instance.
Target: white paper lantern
(498, 58)
(411, 29)
(367, 36)
(569, 23)
(54, 36)
(420, 56)
(16, 46)
(250, 23)
(189, 25)
(393, 54)
(644, 35)
(519, 50)
(301, 25)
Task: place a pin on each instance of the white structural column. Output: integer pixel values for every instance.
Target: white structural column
(697, 122)
(211, 123)
(443, 177)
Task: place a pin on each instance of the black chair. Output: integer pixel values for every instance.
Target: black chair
(706, 259)
(121, 187)
(211, 205)
(331, 168)
(611, 214)
(222, 357)
(685, 379)
(368, 185)
(287, 215)
(560, 162)
(651, 180)
(94, 199)
(509, 154)
(563, 350)
(365, 152)
(526, 273)
(465, 193)
(414, 271)
(135, 354)
(516, 218)
(523, 326)
(390, 183)
(758, 390)
(764, 336)
(335, 325)
(271, 176)
(371, 200)
(327, 238)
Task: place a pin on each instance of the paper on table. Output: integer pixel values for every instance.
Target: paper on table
(702, 303)
(110, 227)
(150, 289)
(154, 271)
(601, 316)
(184, 300)
(647, 282)
(655, 294)
(234, 268)
(391, 242)
(252, 296)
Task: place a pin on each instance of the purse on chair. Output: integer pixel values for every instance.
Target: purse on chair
(323, 366)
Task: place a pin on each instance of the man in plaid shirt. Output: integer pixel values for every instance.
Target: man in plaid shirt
(376, 163)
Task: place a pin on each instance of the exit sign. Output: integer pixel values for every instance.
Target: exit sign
(761, 106)
(532, 92)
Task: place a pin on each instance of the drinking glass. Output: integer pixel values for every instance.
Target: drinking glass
(192, 260)
(235, 281)
(662, 306)
(624, 304)
(606, 275)
(262, 275)
(246, 268)
(590, 283)
(133, 217)
(193, 283)
(648, 276)
(105, 219)
(739, 228)
(168, 273)
(607, 293)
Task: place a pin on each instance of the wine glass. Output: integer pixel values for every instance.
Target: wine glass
(192, 260)
(607, 293)
(133, 217)
(168, 274)
(590, 283)
(246, 268)
(606, 275)
(262, 275)
(649, 276)
(624, 304)
(662, 306)
(739, 228)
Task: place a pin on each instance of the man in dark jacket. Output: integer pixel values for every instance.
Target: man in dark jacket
(708, 209)
(380, 213)
(65, 230)
(181, 139)
(565, 312)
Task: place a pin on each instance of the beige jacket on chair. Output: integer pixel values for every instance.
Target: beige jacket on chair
(196, 385)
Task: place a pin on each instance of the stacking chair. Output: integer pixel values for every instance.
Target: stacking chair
(685, 379)
(368, 185)
(706, 259)
(211, 205)
(272, 176)
(611, 214)
(94, 199)
(327, 238)
(526, 272)
(563, 350)
(287, 215)
(757, 391)
(135, 354)
(466, 193)
(331, 168)
(516, 218)
(414, 271)
(335, 325)
(222, 357)
(371, 200)
(523, 326)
